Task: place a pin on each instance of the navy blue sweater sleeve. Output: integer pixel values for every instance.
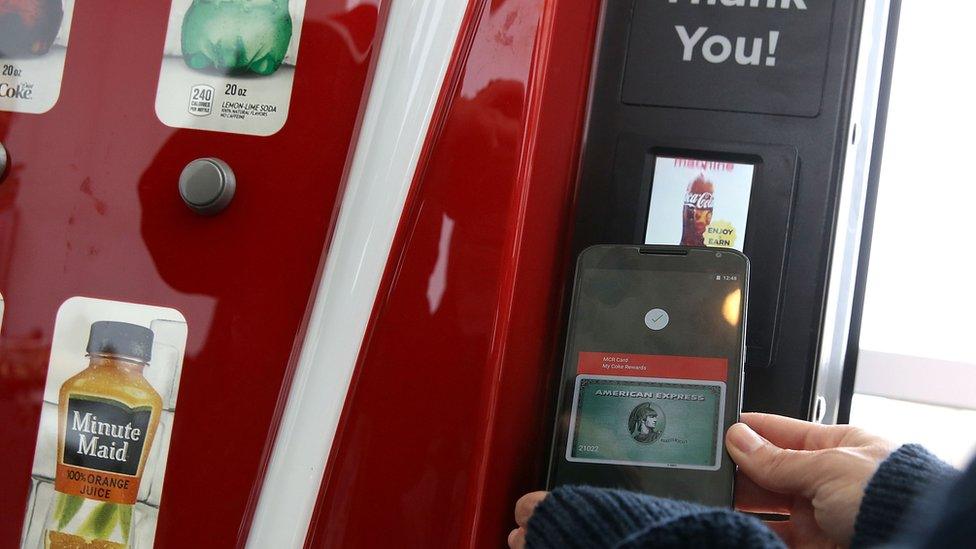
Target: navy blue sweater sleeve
(953, 522)
(894, 490)
(583, 517)
(895, 503)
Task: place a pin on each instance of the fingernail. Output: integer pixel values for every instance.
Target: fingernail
(744, 439)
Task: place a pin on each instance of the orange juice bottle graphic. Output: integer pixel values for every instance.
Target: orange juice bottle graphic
(107, 419)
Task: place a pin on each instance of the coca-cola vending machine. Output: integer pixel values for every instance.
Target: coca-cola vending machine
(288, 273)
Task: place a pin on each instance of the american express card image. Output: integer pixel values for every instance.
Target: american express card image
(650, 422)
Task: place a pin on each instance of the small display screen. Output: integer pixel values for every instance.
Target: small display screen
(696, 202)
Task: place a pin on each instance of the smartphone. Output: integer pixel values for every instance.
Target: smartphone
(652, 371)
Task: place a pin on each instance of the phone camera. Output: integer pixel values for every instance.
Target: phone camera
(718, 254)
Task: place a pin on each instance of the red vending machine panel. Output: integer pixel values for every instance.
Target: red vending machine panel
(311, 283)
(102, 107)
(447, 418)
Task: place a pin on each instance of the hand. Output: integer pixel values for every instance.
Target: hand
(814, 473)
(524, 508)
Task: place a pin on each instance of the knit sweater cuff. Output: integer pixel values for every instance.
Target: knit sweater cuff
(893, 490)
(583, 517)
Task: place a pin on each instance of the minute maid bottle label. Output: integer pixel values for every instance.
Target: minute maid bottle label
(102, 449)
(229, 65)
(33, 44)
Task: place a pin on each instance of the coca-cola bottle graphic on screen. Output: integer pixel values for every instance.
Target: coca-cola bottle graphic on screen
(697, 214)
(28, 27)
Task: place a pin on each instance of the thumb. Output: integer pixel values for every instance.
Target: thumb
(771, 467)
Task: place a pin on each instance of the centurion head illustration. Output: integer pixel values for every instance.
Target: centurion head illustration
(646, 423)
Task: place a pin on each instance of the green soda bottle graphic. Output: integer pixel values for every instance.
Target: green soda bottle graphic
(236, 36)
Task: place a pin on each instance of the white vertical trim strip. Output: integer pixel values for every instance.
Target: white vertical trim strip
(838, 305)
(413, 58)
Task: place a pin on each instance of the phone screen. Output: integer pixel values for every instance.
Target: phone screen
(652, 372)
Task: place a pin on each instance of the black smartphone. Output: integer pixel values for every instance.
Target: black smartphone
(652, 371)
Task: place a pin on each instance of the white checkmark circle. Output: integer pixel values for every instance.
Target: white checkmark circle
(656, 319)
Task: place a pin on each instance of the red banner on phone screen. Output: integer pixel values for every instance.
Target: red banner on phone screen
(674, 367)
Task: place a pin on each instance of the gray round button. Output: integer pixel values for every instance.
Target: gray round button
(207, 185)
(4, 161)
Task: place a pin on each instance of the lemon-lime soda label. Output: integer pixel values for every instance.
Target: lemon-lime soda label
(229, 65)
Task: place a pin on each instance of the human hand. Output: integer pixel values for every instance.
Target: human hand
(814, 473)
(524, 508)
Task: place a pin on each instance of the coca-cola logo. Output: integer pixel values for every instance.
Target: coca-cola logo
(702, 201)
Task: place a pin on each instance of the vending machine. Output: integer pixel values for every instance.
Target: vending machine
(294, 273)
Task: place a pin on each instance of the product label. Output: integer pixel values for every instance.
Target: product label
(228, 65)
(33, 44)
(104, 432)
(103, 446)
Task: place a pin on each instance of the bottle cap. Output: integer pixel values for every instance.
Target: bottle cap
(121, 339)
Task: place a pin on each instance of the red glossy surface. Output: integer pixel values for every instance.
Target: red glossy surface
(447, 420)
(91, 208)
